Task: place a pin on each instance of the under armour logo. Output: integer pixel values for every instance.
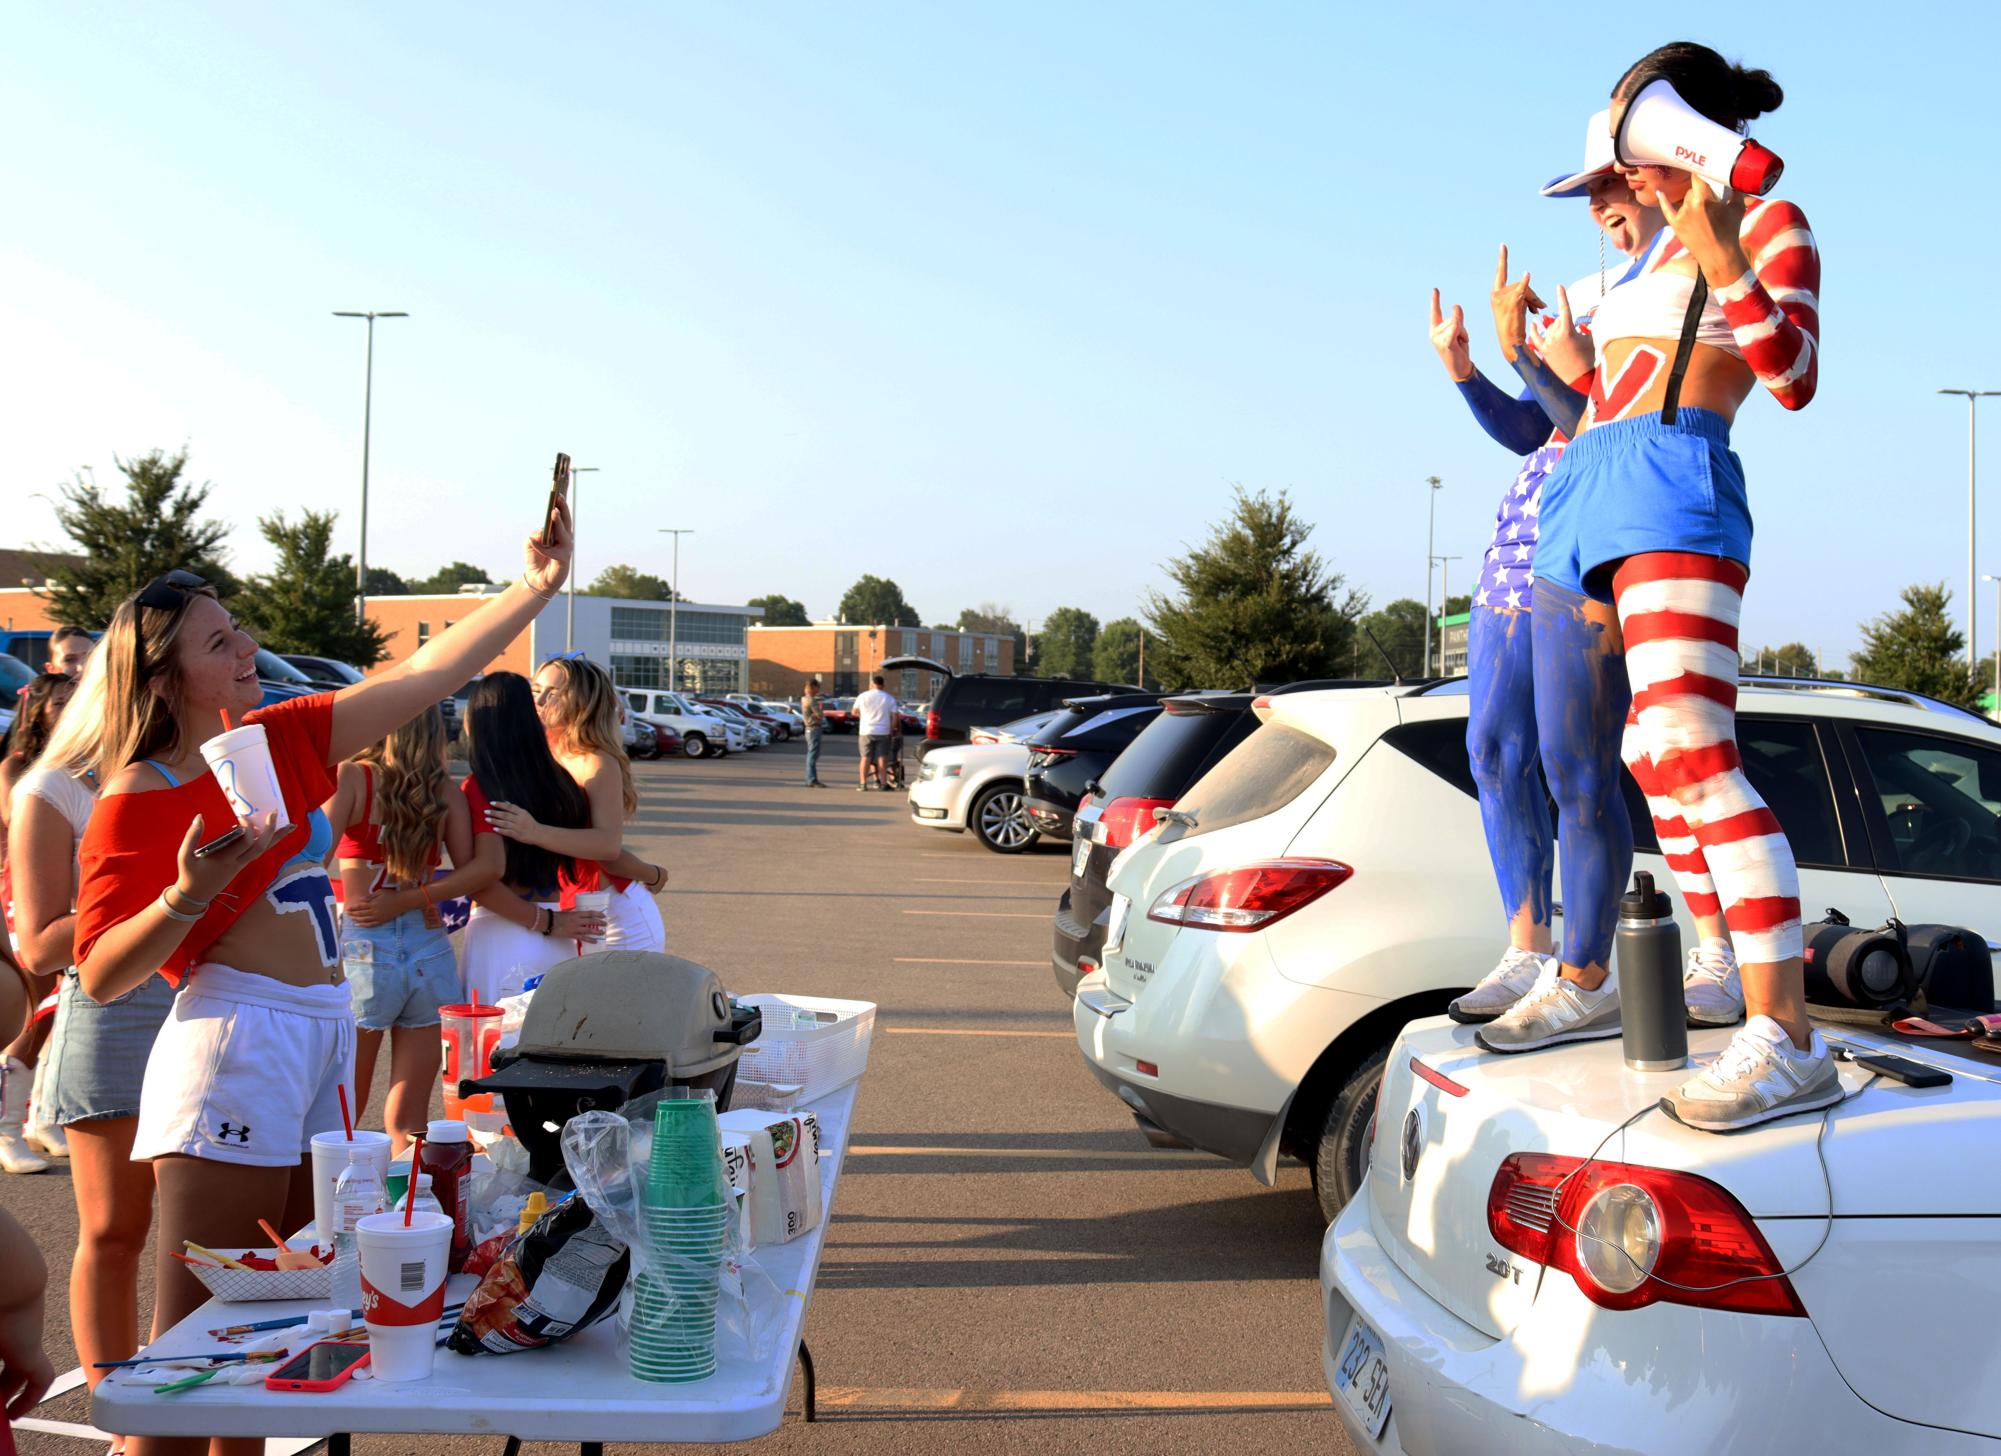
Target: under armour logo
(227, 1131)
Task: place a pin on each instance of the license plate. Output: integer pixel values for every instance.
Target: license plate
(1080, 851)
(1362, 1378)
(1115, 925)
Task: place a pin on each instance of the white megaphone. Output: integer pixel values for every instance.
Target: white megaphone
(1660, 129)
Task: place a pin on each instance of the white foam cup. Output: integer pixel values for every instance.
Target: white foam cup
(241, 762)
(403, 1271)
(600, 901)
(329, 1160)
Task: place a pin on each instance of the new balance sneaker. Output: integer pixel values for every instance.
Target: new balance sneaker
(1711, 987)
(1553, 1012)
(1500, 988)
(1760, 1076)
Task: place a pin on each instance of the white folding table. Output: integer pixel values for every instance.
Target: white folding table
(578, 1390)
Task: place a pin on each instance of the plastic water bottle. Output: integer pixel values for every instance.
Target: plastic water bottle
(1653, 1013)
(358, 1192)
(427, 1201)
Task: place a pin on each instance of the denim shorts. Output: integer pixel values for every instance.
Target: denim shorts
(399, 974)
(98, 1052)
(1631, 486)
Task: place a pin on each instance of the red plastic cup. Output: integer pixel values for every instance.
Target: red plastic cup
(470, 1034)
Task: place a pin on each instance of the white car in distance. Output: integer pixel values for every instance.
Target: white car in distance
(771, 708)
(704, 734)
(980, 786)
(1328, 882)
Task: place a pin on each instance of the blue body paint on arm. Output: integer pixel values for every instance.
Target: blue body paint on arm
(1564, 405)
(1517, 424)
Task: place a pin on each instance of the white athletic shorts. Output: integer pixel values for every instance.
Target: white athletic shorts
(246, 1069)
(500, 957)
(633, 922)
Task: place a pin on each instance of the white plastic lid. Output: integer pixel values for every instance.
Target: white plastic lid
(447, 1130)
(359, 1153)
(423, 1182)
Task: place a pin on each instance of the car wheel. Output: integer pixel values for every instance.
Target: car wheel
(698, 746)
(783, 732)
(1342, 1153)
(999, 817)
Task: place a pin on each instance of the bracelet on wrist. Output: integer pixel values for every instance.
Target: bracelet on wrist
(547, 596)
(188, 902)
(549, 925)
(167, 909)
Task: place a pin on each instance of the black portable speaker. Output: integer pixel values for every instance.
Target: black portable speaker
(1847, 966)
(1953, 966)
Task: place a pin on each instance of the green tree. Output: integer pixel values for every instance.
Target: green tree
(448, 579)
(1794, 659)
(305, 603)
(998, 619)
(1455, 605)
(1253, 604)
(382, 582)
(781, 611)
(123, 545)
(631, 584)
(1063, 646)
(1918, 649)
(1116, 656)
(876, 601)
(1399, 628)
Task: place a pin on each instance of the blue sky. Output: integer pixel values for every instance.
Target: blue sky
(996, 300)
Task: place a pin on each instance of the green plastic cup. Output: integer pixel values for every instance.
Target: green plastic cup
(685, 1167)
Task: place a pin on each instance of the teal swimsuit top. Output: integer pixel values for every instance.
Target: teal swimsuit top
(319, 833)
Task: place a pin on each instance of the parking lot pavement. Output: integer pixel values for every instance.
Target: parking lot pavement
(1009, 1265)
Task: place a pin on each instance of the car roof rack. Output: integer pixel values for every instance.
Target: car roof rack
(1835, 687)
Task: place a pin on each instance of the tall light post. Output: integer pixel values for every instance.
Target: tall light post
(1444, 595)
(1972, 658)
(367, 410)
(1430, 532)
(570, 609)
(674, 603)
(1985, 576)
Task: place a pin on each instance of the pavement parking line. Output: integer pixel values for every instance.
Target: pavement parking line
(969, 1030)
(858, 1398)
(980, 914)
(956, 961)
(1076, 1155)
(997, 884)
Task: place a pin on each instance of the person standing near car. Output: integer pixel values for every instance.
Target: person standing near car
(815, 719)
(875, 716)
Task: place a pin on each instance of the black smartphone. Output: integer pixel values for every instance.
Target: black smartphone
(320, 1368)
(559, 491)
(221, 842)
(1911, 1074)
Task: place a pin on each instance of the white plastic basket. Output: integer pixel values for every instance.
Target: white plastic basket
(788, 1065)
(246, 1286)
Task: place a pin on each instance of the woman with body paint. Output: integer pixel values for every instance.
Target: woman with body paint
(1648, 516)
(1501, 737)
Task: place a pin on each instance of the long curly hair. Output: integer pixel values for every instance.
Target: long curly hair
(34, 718)
(587, 718)
(511, 761)
(410, 784)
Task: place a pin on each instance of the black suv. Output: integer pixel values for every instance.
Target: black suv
(977, 699)
(1065, 758)
(1190, 737)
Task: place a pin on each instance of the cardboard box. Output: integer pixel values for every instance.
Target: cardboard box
(783, 1178)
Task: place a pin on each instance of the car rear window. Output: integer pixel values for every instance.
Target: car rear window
(1267, 771)
(1109, 727)
(1171, 752)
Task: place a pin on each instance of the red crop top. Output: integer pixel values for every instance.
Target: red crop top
(575, 877)
(131, 850)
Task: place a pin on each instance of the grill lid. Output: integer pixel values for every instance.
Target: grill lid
(625, 1005)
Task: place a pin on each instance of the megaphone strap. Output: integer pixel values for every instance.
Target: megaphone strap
(1690, 322)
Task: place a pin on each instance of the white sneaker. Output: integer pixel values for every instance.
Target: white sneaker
(15, 1154)
(1500, 988)
(1554, 1011)
(1711, 986)
(1760, 1076)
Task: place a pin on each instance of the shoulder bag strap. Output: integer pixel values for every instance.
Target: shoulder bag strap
(1690, 321)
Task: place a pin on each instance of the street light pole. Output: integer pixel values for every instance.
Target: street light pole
(1972, 658)
(674, 603)
(367, 411)
(570, 610)
(1444, 595)
(1430, 532)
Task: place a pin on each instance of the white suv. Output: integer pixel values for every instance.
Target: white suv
(1328, 882)
(704, 734)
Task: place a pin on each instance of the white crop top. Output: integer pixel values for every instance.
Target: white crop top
(1652, 306)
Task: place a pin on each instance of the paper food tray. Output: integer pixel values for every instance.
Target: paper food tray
(247, 1286)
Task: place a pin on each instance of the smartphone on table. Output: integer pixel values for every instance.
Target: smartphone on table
(320, 1368)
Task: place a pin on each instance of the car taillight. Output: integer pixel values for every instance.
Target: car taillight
(931, 721)
(1250, 897)
(1632, 1236)
(978, 737)
(1125, 820)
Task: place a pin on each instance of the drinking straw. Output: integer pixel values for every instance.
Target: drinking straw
(227, 726)
(346, 1120)
(410, 1197)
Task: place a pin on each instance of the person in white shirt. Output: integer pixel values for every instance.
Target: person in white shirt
(875, 716)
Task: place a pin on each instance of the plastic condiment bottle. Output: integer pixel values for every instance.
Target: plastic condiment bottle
(358, 1192)
(447, 1157)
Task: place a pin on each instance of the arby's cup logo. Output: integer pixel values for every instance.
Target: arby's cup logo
(378, 1308)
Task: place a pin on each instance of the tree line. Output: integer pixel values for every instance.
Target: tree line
(1253, 603)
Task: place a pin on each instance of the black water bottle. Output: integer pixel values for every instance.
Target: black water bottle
(1652, 1011)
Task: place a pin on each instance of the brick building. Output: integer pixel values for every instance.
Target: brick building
(843, 656)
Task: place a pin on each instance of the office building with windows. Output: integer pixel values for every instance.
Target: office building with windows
(844, 656)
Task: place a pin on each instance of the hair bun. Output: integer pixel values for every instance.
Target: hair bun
(1754, 91)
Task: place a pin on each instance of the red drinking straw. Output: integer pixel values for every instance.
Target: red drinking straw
(346, 1118)
(410, 1194)
(227, 726)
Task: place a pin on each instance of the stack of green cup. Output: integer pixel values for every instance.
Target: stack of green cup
(686, 1211)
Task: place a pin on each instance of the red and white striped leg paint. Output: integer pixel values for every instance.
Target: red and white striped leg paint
(1678, 843)
(1679, 614)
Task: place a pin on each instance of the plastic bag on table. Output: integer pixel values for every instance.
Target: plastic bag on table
(561, 1276)
(607, 1155)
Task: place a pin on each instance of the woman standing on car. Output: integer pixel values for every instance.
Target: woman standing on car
(1648, 512)
(1501, 735)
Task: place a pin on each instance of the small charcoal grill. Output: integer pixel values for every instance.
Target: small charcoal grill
(606, 1028)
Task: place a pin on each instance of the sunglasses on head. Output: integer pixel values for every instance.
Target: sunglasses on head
(166, 592)
(575, 654)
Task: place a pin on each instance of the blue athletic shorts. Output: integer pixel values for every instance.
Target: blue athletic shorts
(1632, 486)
